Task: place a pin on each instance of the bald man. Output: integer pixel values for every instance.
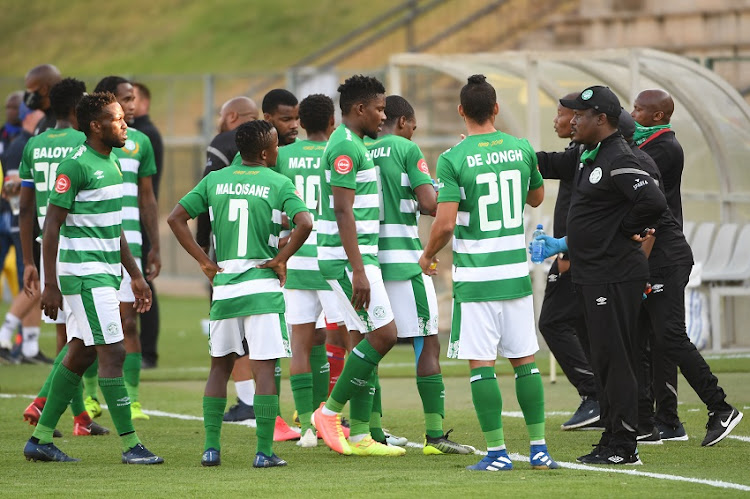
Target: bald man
(561, 321)
(652, 112)
(39, 81)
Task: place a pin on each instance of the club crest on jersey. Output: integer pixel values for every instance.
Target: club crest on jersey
(129, 145)
(62, 184)
(596, 175)
(422, 165)
(343, 164)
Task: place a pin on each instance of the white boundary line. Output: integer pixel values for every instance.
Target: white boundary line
(513, 456)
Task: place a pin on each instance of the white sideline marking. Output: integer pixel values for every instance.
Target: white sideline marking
(660, 476)
(513, 456)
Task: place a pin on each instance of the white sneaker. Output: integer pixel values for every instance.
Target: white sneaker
(394, 440)
(309, 439)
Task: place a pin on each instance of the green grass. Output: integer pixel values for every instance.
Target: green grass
(176, 387)
(84, 37)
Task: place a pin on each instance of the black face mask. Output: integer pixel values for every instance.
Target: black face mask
(33, 100)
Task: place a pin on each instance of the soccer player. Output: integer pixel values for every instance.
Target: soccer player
(406, 189)
(280, 108)
(485, 181)
(219, 153)
(41, 157)
(347, 255)
(307, 293)
(139, 205)
(84, 219)
(245, 204)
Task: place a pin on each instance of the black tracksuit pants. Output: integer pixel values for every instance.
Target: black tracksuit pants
(611, 312)
(563, 327)
(664, 309)
(150, 319)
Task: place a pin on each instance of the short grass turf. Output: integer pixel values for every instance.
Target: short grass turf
(176, 387)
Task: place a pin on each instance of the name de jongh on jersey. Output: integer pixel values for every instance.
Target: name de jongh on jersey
(494, 157)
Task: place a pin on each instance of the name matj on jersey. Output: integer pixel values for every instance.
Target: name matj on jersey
(51, 152)
(305, 163)
(260, 191)
(494, 158)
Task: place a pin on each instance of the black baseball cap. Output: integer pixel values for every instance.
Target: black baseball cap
(626, 125)
(597, 97)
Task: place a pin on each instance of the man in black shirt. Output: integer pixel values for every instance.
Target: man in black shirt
(613, 206)
(149, 320)
(561, 320)
(39, 81)
(670, 260)
(652, 112)
(222, 150)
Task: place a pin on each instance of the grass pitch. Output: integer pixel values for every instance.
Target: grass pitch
(674, 469)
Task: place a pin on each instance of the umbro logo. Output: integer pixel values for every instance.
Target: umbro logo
(99, 174)
(359, 382)
(123, 401)
(657, 288)
(552, 278)
(616, 459)
(601, 300)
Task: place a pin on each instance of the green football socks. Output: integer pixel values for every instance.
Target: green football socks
(356, 374)
(90, 380)
(131, 373)
(118, 402)
(62, 388)
(376, 425)
(320, 374)
(302, 390)
(48, 382)
(213, 415)
(266, 409)
(360, 409)
(530, 394)
(488, 404)
(432, 392)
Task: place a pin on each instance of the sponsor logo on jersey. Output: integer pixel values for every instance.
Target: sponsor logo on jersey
(422, 165)
(62, 184)
(343, 164)
(596, 175)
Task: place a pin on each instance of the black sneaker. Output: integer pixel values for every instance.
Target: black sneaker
(720, 424)
(648, 436)
(239, 412)
(598, 448)
(148, 364)
(585, 416)
(614, 456)
(6, 357)
(140, 455)
(39, 358)
(669, 433)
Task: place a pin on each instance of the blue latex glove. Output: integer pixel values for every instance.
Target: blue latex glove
(552, 246)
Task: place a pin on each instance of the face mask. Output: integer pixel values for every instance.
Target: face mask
(33, 100)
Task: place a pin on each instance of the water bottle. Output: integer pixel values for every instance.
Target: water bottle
(537, 247)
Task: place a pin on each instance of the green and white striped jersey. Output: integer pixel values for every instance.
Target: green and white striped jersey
(244, 204)
(401, 168)
(300, 162)
(89, 185)
(137, 161)
(489, 176)
(41, 157)
(348, 164)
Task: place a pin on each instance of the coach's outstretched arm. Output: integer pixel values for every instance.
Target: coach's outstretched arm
(177, 221)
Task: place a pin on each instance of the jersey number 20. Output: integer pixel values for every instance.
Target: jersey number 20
(509, 197)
